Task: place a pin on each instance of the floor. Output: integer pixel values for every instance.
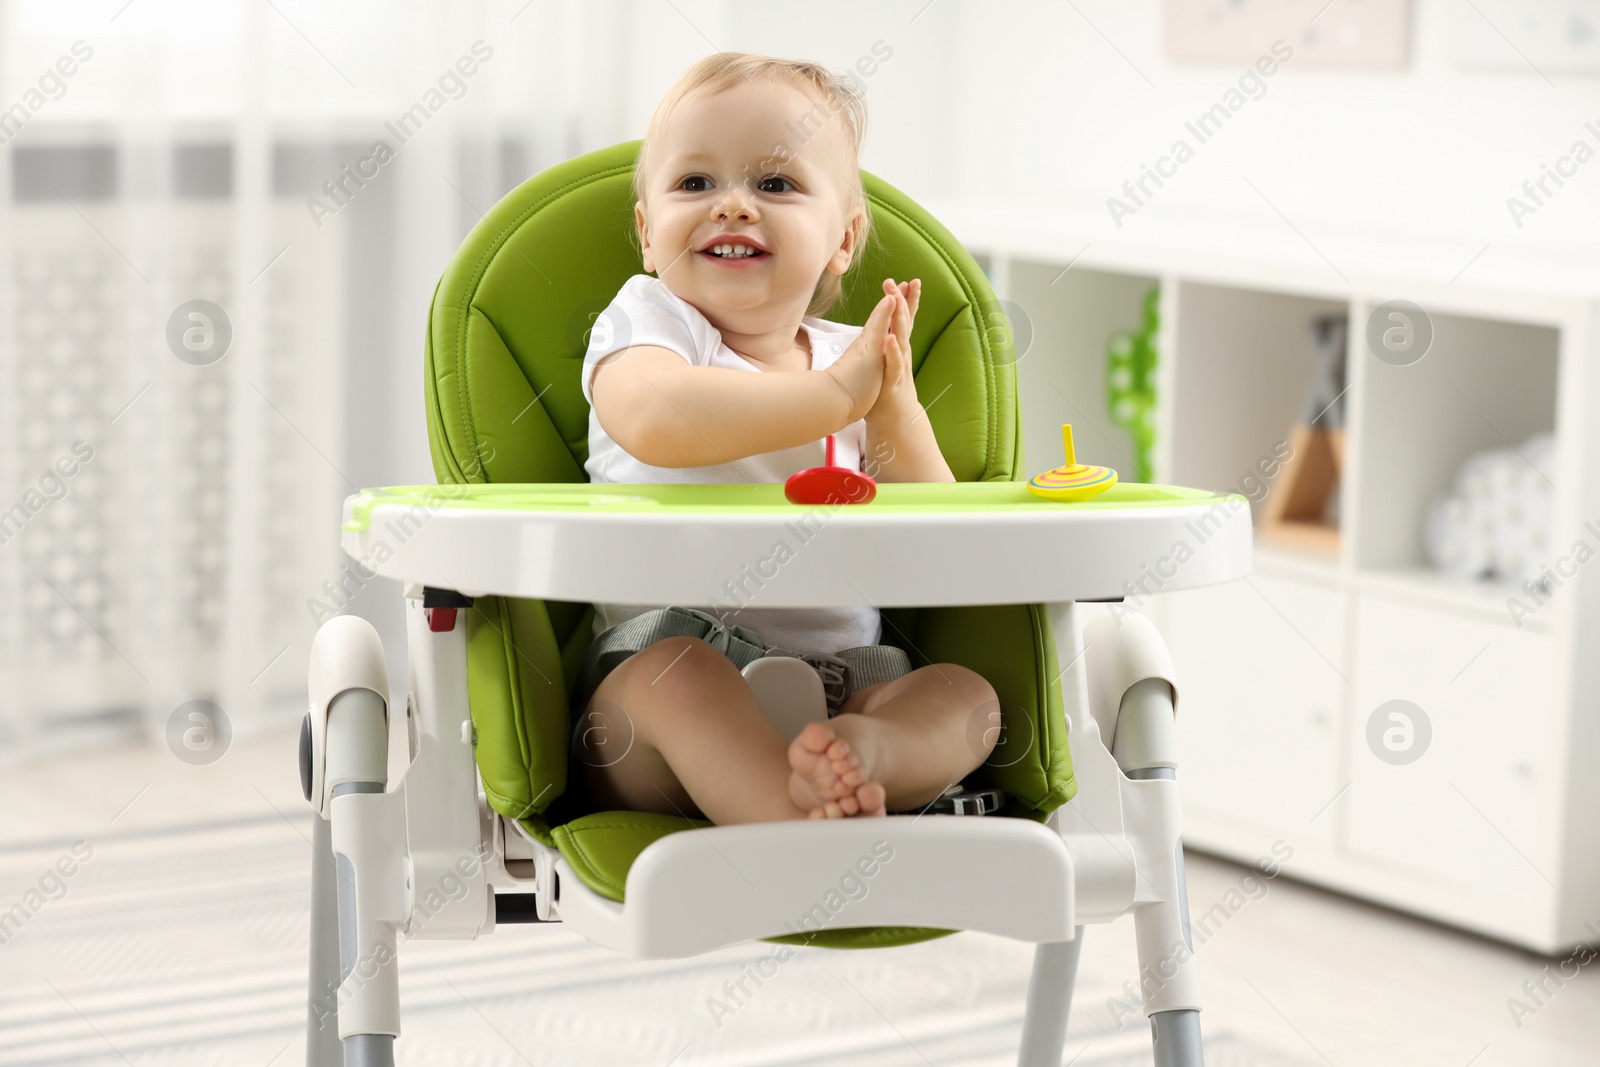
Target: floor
(1293, 976)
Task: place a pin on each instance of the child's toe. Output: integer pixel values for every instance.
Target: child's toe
(871, 798)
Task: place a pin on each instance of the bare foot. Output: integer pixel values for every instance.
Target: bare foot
(830, 780)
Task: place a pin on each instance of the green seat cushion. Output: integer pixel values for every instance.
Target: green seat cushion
(1010, 645)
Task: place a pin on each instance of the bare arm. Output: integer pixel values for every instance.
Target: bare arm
(668, 413)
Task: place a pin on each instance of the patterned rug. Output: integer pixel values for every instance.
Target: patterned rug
(188, 947)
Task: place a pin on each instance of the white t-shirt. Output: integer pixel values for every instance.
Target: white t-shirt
(646, 312)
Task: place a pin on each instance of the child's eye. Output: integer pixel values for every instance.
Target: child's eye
(774, 178)
(692, 178)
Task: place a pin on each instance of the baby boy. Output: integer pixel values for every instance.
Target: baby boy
(750, 210)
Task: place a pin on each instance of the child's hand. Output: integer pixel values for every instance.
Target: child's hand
(860, 370)
(897, 398)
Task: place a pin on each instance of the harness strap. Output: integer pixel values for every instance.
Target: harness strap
(876, 663)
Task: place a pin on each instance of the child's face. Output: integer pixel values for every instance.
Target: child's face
(764, 161)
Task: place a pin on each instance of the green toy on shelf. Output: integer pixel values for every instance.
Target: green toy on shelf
(1072, 480)
(1131, 383)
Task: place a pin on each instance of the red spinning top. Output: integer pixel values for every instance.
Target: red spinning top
(829, 484)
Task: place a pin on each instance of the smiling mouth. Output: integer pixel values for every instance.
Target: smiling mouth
(739, 257)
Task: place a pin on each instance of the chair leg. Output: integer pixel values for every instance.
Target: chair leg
(1176, 1035)
(322, 1004)
(1044, 1026)
(369, 1050)
(1145, 741)
(367, 943)
(1175, 1032)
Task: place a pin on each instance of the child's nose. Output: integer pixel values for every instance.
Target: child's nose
(735, 203)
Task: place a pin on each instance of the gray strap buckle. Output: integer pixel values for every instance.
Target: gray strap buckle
(978, 802)
(838, 677)
(958, 799)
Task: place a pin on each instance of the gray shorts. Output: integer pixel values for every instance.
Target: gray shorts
(870, 664)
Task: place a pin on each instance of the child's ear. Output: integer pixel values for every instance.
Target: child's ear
(643, 227)
(840, 261)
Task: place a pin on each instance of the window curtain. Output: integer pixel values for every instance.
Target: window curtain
(220, 224)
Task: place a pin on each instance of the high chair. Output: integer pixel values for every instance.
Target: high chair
(501, 563)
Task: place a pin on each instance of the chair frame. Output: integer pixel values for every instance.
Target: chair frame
(426, 857)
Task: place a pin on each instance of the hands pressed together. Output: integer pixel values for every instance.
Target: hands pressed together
(876, 369)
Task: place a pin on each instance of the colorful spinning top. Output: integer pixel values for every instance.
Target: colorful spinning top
(829, 484)
(1072, 480)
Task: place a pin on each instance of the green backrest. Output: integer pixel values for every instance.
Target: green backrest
(507, 333)
(511, 315)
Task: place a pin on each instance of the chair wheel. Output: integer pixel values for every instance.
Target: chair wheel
(305, 756)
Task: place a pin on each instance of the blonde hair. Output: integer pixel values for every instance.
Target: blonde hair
(842, 98)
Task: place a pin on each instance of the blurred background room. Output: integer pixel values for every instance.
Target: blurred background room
(1339, 256)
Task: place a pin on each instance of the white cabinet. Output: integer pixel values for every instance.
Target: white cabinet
(1474, 808)
(1494, 826)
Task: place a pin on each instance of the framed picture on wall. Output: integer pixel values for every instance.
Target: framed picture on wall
(1372, 34)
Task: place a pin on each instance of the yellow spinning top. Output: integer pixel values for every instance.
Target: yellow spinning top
(1072, 480)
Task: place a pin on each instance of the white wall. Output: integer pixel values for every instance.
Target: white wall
(1030, 101)
(910, 96)
(1429, 148)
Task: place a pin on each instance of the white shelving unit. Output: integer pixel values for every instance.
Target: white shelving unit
(1493, 828)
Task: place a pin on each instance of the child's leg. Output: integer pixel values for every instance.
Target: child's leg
(675, 729)
(922, 732)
